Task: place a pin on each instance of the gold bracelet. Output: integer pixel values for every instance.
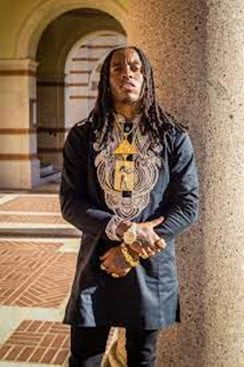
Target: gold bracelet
(127, 256)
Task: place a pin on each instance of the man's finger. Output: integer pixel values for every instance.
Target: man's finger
(136, 246)
(124, 273)
(149, 251)
(143, 253)
(161, 244)
(106, 255)
(155, 222)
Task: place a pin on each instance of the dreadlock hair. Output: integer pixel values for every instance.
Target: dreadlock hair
(156, 121)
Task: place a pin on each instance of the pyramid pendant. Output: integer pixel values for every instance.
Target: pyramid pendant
(125, 148)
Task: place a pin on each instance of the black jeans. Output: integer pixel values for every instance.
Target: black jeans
(88, 346)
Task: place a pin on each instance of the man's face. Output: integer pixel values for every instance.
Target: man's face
(126, 76)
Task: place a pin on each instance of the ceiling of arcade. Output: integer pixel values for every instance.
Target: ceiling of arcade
(23, 22)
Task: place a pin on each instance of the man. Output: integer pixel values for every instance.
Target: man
(129, 183)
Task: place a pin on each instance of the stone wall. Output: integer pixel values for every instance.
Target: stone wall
(195, 48)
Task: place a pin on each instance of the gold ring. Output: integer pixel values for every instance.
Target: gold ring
(144, 256)
(160, 243)
(114, 275)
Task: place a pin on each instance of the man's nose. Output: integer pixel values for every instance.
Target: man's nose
(126, 72)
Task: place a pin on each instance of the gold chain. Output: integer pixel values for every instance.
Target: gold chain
(125, 133)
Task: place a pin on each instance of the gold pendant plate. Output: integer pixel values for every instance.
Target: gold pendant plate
(124, 175)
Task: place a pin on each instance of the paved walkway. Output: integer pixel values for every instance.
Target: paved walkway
(37, 258)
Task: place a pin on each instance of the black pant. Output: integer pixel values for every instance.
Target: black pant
(88, 346)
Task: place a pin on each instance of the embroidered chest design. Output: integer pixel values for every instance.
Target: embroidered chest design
(117, 175)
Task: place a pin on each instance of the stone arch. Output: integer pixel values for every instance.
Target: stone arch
(67, 49)
(46, 11)
(84, 39)
(54, 105)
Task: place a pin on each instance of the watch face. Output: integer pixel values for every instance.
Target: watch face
(129, 237)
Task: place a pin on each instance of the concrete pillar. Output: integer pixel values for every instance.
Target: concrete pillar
(197, 52)
(50, 118)
(19, 164)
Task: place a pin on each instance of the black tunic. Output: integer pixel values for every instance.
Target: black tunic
(148, 296)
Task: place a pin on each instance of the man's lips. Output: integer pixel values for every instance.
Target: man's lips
(128, 85)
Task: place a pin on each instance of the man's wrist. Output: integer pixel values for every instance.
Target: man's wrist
(123, 227)
(111, 228)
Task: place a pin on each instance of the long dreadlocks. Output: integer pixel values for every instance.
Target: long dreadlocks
(156, 122)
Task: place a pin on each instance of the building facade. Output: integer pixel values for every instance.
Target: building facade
(50, 53)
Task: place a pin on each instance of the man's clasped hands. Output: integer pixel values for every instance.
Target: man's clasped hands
(142, 241)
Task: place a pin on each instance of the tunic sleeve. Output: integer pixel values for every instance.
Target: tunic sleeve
(76, 206)
(182, 192)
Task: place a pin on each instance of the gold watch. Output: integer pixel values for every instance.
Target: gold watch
(130, 235)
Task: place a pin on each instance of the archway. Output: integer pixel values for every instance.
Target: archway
(41, 15)
(59, 91)
(21, 165)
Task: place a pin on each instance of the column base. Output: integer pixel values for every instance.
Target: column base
(19, 174)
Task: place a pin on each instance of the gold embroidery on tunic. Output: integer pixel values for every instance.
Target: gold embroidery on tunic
(138, 176)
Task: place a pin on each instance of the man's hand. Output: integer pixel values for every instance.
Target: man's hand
(113, 262)
(148, 242)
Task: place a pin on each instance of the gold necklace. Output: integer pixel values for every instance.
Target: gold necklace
(124, 173)
(125, 133)
(125, 147)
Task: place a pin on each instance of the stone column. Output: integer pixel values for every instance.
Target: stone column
(50, 118)
(196, 49)
(19, 164)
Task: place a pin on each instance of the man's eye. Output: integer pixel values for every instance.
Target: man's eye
(135, 68)
(117, 68)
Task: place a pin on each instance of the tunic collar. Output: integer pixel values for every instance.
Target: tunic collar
(122, 119)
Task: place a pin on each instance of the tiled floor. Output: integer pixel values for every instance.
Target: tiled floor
(37, 203)
(34, 274)
(35, 279)
(17, 218)
(37, 341)
(33, 213)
